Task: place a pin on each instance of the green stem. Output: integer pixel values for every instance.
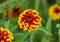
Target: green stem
(59, 34)
(37, 4)
(42, 9)
(7, 23)
(26, 36)
(58, 26)
(31, 36)
(45, 31)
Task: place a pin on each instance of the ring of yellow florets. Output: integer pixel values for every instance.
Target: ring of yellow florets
(54, 12)
(5, 35)
(29, 20)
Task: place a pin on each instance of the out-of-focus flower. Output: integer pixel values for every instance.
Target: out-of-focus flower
(15, 12)
(5, 35)
(5, 14)
(54, 12)
(29, 20)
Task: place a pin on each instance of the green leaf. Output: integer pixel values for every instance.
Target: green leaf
(44, 39)
(49, 25)
(23, 4)
(37, 36)
(7, 23)
(31, 36)
(58, 2)
(59, 34)
(58, 25)
(18, 34)
(25, 41)
(21, 38)
(14, 28)
(11, 6)
(1, 10)
(9, 1)
(13, 24)
(45, 31)
(2, 22)
(37, 4)
(6, 3)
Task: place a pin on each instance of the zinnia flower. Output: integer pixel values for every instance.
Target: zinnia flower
(5, 35)
(15, 12)
(29, 20)
(5, 15)
(54, 12)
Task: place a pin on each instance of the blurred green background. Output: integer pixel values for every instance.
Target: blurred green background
(48, 32)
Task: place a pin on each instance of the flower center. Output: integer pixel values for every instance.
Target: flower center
(56, 10)
(15, 10)
(0, 36)
(29, 18)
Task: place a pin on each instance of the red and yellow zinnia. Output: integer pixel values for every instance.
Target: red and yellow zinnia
(15, 12)
(5, 35)
(29, 20)
(54, 12)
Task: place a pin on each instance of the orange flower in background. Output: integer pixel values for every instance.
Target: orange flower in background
(15, 12)
(29, 20)
(5, 35)
(54, 12)
(5, 14)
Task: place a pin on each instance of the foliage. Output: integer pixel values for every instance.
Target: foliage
(48, 32)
